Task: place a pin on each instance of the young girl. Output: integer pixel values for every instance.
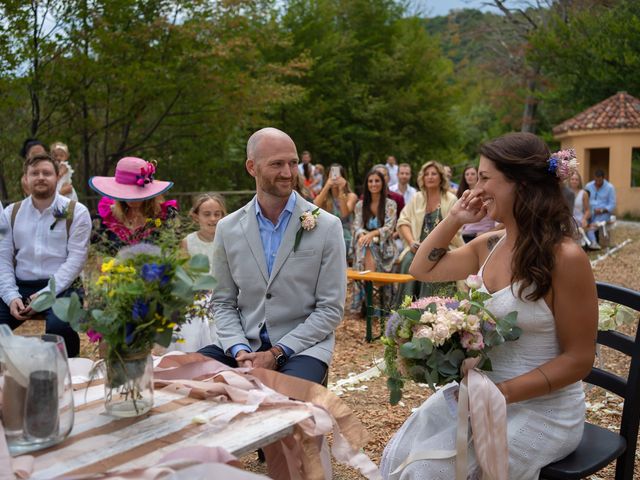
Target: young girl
(60, 152)
(207, 210)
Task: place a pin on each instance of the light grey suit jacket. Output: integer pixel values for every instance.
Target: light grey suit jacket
(301, 303)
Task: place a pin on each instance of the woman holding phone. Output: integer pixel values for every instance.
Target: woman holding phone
(336, 197)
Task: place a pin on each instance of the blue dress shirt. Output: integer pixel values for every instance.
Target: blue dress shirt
(271, 237)
(603, 197)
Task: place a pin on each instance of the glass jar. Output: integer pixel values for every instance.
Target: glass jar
(37, 395)
(128, 384)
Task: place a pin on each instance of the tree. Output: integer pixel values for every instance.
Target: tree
(589, 57)
(378, 84)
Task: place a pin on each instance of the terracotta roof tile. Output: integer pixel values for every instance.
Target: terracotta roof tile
(618, 111)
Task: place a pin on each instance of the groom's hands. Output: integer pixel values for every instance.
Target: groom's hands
(256, 360)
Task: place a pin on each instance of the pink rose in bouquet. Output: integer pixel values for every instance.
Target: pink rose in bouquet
(427, 340)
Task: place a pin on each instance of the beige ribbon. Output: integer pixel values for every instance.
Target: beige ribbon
(481, 402)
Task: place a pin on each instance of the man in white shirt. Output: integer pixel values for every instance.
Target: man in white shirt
(46, 236)
(392, 168)
(403, 187)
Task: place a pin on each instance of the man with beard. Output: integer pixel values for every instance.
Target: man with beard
(281, 271)
(46, 235)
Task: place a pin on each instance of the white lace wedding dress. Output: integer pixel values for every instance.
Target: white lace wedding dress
(539, 431)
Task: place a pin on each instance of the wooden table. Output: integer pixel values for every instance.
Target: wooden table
(378, 278)
(99, 442)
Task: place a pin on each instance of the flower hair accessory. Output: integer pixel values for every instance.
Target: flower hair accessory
(308, 221)
(563, 163)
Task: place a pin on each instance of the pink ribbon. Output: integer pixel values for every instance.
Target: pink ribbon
(482, 403)
(131, 178)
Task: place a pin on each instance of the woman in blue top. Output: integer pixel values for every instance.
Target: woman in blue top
(373, 227)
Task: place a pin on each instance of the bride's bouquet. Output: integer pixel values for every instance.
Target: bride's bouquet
(427, 340)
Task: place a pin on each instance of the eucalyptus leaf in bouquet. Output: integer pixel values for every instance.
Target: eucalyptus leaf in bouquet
(427, 340)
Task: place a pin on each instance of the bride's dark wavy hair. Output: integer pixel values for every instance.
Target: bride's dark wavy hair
(539, 208)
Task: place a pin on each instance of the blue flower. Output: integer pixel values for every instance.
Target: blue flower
(140, 309)
(553, 164)
(393, 323)
(129, 328)
(152, 272)
(452, 305)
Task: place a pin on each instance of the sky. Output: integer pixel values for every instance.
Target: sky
(434, 8)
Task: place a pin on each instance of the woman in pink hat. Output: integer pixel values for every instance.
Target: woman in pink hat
(132, 209)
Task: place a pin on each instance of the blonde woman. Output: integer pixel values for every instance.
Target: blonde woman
(133, 209)
(425, 210)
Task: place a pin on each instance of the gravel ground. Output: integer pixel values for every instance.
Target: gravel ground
(369, 398)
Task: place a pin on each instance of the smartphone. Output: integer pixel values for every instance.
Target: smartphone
(335, 172)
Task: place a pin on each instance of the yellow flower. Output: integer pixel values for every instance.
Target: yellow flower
(108, 266)
(160, 329)
(180, 340)
(158, 223)
(111, 293)
(172, 325)
(125, 269)
(102, 279)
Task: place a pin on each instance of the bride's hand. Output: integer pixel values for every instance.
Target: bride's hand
(469, 207)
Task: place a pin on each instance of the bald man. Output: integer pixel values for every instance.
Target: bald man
(281, 287)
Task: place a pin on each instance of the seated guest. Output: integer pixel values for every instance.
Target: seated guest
(30, 147)
(425, 211)
(132, 210)
(373, 227)
(318, 179)
(47, 235)
(448, 172)
(580, 208)
(472, 230)
(336, 197)
(602, 203)
(396, 197)
(403, 186)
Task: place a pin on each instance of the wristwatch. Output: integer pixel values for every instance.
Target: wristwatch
(279, 356)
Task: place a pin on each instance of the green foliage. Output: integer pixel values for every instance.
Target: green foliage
(428, 341)
(589, 57)
(378, 84)
(138, 299)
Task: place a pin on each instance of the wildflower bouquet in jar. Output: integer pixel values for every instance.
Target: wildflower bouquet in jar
(427, 340)
(137, 300)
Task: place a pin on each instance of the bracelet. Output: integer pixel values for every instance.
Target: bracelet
(415, 245)
(546, 378)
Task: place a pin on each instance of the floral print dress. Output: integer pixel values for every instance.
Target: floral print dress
(383, 248)
(110, 234)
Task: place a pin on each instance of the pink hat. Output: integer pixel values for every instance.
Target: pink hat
(133, 181)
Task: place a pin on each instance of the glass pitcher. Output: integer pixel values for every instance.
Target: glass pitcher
(36, 391)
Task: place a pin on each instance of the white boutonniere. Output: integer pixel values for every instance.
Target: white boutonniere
(308, 221)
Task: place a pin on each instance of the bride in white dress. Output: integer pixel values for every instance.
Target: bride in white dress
(533, 266)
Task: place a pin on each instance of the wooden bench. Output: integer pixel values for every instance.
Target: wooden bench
(377, 278)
